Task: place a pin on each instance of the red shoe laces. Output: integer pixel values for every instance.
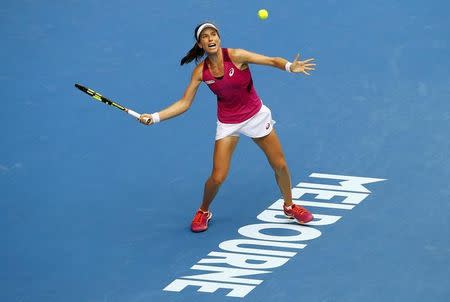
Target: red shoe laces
(198, 217)
(299, 210)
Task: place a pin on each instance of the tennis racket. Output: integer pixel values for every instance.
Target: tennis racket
(107, 101)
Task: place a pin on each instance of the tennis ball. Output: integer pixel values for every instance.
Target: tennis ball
(263, 14)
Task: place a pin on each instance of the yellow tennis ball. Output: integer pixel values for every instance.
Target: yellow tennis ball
(263, 14)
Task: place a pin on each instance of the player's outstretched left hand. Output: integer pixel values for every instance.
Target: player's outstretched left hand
(302, 66)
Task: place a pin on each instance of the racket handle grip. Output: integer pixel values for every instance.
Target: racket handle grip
(133, 113)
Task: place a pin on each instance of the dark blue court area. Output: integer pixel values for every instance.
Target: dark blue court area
(95, 207)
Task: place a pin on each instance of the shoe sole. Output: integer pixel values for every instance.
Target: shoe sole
(292, 217)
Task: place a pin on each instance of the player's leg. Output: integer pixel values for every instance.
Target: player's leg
(271, 146)
(223, 151)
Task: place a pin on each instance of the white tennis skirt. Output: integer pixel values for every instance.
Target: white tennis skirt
(261, 124)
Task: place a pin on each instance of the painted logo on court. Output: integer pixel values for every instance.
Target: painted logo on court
(271, 242)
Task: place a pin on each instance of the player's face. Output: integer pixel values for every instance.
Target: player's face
(209, 40)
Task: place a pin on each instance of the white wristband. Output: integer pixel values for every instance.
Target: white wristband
(155, 118)
(288, 66)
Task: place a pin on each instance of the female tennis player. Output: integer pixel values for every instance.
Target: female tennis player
(239, 111)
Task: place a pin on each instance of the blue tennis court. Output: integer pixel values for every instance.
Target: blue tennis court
(97, 207)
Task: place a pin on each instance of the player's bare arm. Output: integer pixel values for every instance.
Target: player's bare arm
(183, 104)
(244, 57)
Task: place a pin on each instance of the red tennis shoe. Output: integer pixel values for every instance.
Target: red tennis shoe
(200, 221)
(300, 214)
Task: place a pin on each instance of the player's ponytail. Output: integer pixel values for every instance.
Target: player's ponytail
(195, 53)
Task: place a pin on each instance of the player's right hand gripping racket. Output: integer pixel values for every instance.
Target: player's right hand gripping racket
(107, 101)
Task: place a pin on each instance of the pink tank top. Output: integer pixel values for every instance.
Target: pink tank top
(237, 100)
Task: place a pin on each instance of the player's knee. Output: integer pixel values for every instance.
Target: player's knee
(218, 178)
(279, 165)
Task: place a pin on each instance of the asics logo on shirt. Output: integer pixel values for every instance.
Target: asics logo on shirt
(210, 82)
(231, 72)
